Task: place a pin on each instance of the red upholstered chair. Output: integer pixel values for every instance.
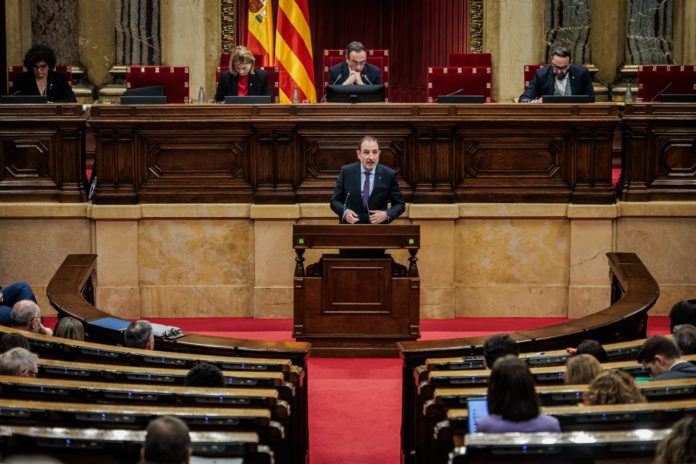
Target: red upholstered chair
(654, 80)
(529, 71)
(469, 59)
(377, 57)
(13, 72)
(174, 79)
(272, 79)
(466, 80)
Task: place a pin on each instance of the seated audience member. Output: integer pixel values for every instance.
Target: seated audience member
(167, 442)
(139, 335)
(205, 375)
(31, 459)
(683, 312)
(513, 404)
(10, 295)
(19, 362)
(69, 327)
(26, 315)
(12, 340)
(660, 356)
(613, 387)
(496, 346)
(561, 78)
(680, 445)
(684, 336)
(242, 78)
(355, 70)
(41, 79)
(582, 368)
(591, 347)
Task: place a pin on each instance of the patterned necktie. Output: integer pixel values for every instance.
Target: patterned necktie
(366, 189)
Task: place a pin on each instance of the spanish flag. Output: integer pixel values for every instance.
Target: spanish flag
(294, 51)
(260, 30)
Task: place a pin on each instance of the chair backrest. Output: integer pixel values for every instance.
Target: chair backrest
(174, 79)
(469, 59)
(654, 80)
(529, 71)
(13, 73)
(272, 79)
(451, 80)
(376, 57)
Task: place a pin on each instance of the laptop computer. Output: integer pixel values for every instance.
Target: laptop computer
(568, 99)
(18, 99)
(477, 407)
(461, 99)
(678, 97)
(248, 99)
(143, 100)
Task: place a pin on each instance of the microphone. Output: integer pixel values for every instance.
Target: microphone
(453, 93)
(364, 76)
(337, 79)
(343, 216)
(660, 92)
(18, 92)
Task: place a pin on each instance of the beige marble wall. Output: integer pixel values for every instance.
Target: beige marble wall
(97, 39)
(17, 30)
(608, 39)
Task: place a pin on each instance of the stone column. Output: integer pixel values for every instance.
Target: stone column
(97, 39)
(18, 30)
(684, 31)
(608, 36)
(568, 24)
(649, 32)
(54, 23)
(138, 32)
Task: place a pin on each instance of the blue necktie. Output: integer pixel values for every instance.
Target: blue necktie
(366, 189)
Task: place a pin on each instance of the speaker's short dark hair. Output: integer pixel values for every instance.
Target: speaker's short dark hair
(205, 375)
(355, 46)
(684, 312)
(563, 52)
(167, 440)
(657, 345)
(593, 348)
(497, 346)
(39, 53)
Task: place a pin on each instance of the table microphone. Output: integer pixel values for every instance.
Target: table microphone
(364, 76)
(336, 81)
(343, 216)
(453, 93)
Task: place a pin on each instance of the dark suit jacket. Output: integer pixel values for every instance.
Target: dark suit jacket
(258, 84)
(386, 189)
(57, 90)
(684, 370)
(340, 72)
(543, 82)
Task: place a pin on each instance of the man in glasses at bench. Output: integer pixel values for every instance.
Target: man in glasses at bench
(26, 315)
(560, 78)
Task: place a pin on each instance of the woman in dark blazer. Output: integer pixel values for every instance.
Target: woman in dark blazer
(41, 79)
(241, 78)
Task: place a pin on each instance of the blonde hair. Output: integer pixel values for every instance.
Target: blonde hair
(582, 368)
(613, 387)
(680, 445)
(241, 55)
(69, 327)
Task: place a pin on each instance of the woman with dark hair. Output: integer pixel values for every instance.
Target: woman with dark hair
(41, 79)
(242, 78)
(680, 445)
(513, 405)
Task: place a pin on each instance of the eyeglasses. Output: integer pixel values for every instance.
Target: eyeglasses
(30, 372)
(559, 68)
(40, 66)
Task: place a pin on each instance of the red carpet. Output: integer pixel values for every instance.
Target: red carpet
(355, 404)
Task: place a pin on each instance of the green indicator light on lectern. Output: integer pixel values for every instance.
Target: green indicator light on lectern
(300, 241)
(411, 241)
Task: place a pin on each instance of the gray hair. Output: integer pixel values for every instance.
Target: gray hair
(23, 312)
(17, 361)
(355, 46)
(685, 338)
(138, 334)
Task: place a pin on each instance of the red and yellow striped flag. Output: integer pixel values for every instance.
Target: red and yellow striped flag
(294, 51)
(260, 30)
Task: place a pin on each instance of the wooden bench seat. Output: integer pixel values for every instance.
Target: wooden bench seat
(89, 445)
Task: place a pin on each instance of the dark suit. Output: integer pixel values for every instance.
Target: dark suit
(11, 294)
(340, 72)
(385, 189)
(683, 370)
(258, 84)
(543, 83)
(57, 87)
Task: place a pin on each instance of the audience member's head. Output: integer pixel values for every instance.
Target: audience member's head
(680, 445)
(70, 327)
(683, 312)
(613, 387)
(658, 354)
(582, 368)
(685, 338)
(167, 441)
(31, 459)
(19, 362)
(593, 348)
(13, 340)
(139, 335)
(26, 315)
(205, 375)
(497, 346)
(511, 392)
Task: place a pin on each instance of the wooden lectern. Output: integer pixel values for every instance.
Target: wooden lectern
(356, 306)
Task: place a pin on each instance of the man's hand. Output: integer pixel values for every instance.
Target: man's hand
(377, 216)
(1, 300)
(354, 78)
(350, 217)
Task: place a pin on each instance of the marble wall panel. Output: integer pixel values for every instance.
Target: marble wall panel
(649, 32)
(137, 32)
(54, 23)
(568, 24)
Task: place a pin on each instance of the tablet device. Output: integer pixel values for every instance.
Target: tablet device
(461, 99)
(568, 99)
(17, 99)
(477, 407)
(247, 99)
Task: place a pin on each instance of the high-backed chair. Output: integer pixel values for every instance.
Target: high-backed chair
(174, 79)
(13, 73)
(272, 79)
(469, 59)
(377, 57)
(451, 80)
(655, 80)
(529, 71)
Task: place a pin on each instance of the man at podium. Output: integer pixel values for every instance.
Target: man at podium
(364, 188)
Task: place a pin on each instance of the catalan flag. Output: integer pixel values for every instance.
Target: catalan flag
(294, 51)
(260, 30)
